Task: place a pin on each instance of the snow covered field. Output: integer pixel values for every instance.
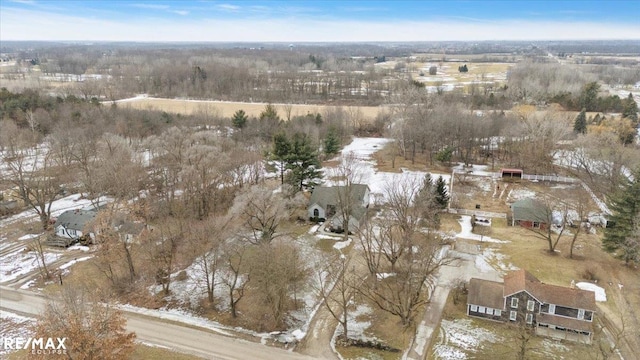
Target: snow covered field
(363, 149)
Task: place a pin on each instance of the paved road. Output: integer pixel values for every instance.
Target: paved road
(151, 330)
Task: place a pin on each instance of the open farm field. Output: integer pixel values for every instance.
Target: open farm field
(227, 108)
(448, 75)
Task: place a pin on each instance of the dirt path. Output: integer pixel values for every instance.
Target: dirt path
(317, 342)
(463, 269)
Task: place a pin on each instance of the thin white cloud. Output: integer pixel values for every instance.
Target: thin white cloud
(26, 2)
(181, 12)
(228, 7)
(22, 24)
(151, 6)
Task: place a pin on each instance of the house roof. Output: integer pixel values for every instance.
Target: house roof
(330, 195)
(574, 298)
(522, 280)
(565, 322)
(486, 293)
(75, 219)
(530, 209)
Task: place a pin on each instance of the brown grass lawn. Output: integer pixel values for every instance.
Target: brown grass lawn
(227, 109)
(384, 157)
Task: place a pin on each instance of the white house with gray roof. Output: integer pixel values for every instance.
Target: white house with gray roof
(71, 225)
(324, 205)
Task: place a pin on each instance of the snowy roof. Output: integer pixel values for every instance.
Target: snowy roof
(75, 219)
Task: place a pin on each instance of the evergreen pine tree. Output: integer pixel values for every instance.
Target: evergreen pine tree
(331, 142)
(239, 119)
(269, 112)
(441, 193)
(303, 162)
(426, 202)
(589, 96)
(280, 152)
(621, 237)
(580, 124)
(630, 108)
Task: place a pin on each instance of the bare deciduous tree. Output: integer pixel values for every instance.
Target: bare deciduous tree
(276, 271)
(33, 171)
(336, 288)
(237, 274)
(405, 290)
(261, 210)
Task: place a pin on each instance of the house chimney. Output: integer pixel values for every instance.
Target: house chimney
(573, 284)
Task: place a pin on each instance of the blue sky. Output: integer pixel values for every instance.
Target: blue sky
(290, 21)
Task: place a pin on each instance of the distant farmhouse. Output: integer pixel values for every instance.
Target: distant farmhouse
(324, 205)
(554, 311)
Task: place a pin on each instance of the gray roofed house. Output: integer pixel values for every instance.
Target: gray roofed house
(324, 204)
(530, 213)
(71, 225)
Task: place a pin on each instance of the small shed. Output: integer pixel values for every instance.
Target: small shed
(531, 213)
(514, 174)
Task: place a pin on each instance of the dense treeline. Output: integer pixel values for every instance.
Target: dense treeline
(268, 75)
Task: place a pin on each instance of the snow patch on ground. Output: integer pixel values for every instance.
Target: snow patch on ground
(29, 236)
(79, 247)
(357, 326)
(518, 194)
(18, 263)
(551, 348)
(341, 244)
(600, 293)
(465, 233)
(475, 169)
(28, 284)
(489, 260)
(459, 336)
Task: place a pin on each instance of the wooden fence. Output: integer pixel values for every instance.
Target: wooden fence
(486, 214)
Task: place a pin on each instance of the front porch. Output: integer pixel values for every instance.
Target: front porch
(557, 332)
